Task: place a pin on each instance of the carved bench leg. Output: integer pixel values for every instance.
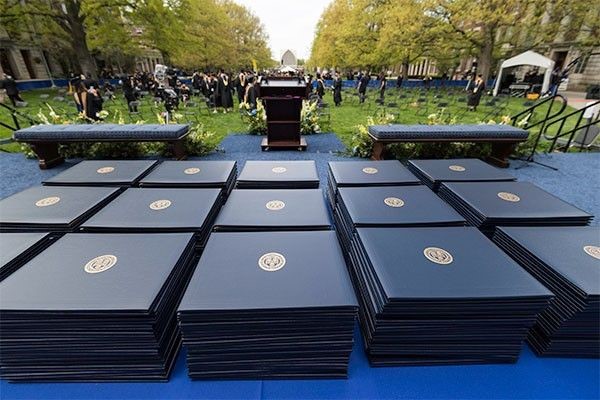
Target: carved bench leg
(179, 150)
(378, 148)
(47, 154)
(500, 153)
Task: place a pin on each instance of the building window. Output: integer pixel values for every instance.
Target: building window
(580, 67)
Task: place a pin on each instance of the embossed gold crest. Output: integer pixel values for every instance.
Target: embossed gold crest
(593, 251)
(105, 170)
(191, 171)
(279, 170)
(271, 262)
(47, 201)
(438, 256)
(100, 264)
(393, 202)
(160, 204)
(370, 170)
(507, 196)
(275, 205)
(457, 168)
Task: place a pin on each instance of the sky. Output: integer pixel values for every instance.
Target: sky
(290, 24)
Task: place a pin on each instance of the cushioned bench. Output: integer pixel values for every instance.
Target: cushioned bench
(502, 137)
(44, 139)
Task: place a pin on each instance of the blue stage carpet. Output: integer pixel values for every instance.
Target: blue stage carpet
(576, 181)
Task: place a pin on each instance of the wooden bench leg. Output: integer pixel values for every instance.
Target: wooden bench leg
(378, 148)
(47, 154)
(179, 150)
(500, 153)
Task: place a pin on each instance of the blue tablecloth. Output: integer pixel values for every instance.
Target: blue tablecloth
(531, 377)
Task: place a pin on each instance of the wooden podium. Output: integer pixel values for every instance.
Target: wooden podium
(282, 98)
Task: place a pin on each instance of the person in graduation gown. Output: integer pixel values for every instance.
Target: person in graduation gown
(362, 87)
(382, 85)
(475, 93)
(215, 97)
(240, 86)
(93, 104)
(337, 89)
(12, 91)
(225, 92)
(320, 87)
(399, 81)
(250, 94)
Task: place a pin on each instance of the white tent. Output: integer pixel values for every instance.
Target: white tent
(528, 58)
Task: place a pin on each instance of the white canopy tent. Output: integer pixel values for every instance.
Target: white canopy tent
(527, 58)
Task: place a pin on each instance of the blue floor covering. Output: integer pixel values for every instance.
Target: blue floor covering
(577, 181)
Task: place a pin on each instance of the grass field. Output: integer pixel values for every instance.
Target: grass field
(341, 120)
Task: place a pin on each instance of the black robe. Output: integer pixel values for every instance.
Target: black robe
(475, 94)
(250, 96)
(225, 92)
(320, 88)
(337, 91)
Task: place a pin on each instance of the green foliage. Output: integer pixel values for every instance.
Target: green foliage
(361, 142)
(198, 142)
(256, 120)
(309, 118)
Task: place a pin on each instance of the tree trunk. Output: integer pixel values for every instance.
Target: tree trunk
(405, 65)
(79, 39)
(484, 61)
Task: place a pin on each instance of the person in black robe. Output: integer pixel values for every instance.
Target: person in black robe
(475, 93)
(337, 89)
(240, 86)
(131, 94)
(362, 87)
(93, 104)
(382, 85)
(215, 96)
(320, 87)
(399, 81)
(226, 92)
(250, 94)
(12, 91)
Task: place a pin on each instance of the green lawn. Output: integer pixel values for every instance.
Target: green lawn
(342, 120)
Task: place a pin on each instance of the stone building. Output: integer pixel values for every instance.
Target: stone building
(288, 59)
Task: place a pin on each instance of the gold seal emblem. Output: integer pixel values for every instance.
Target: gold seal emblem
(105, 170)
(100, 264)
(271, 262)
(275, 205)
(507, 196)
(393, 202)
(279, 170)
(438, 256)
(191, 171)
(160, 205)
(47, 201)
(593, 251)
(457, 168)
(370, 170)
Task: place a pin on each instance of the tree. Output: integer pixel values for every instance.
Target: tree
(70, 17)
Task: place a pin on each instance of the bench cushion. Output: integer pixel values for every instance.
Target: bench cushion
(447, 132)
(101, 132)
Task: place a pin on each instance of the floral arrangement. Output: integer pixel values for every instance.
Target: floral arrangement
(361, 142)
(198, 141)
(256, 120)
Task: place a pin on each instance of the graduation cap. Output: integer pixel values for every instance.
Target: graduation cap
(274, 210)
(17, 249)
(154, 210)
(437, 296)
(52, 208)
(434, 172)
(367, 173)
(193, 174)
(567, 261)
(103, 173)
(278, 175)
(96, 307)
(490, 204)
(281, 305)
